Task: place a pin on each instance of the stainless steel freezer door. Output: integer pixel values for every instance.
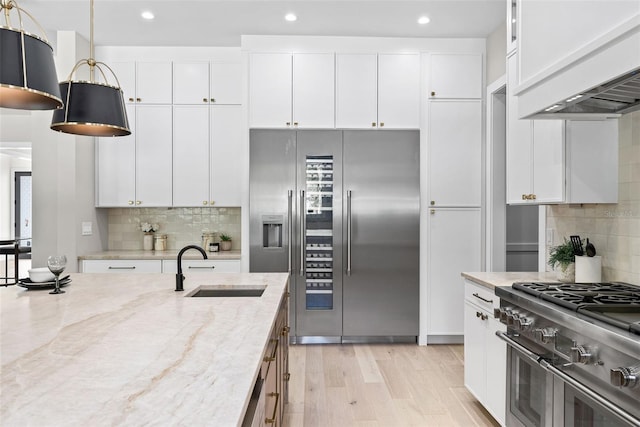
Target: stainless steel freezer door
(382, 228)
(319, 234)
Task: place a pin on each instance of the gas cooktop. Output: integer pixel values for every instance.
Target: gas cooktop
(615, 303)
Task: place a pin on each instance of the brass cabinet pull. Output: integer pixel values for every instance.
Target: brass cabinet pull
(373, 124)
(212, 203)
(288, 123)
(213, 100)
(131, 202)
(295, 123)
(269, 359)
(285, 330)
(130, 99)
(139, 99)
(204, 99)
(138, 202)
(490, 301)
(272, 420)
(433, 93)
(287, 376)
(204, 202)
(433, 202)
(533, 196)
(433, 211)
(381, 124)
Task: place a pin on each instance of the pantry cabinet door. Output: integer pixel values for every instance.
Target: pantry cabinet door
(153, 155)
(126, 74)
(191, 156)
(455, 75)
(154, 82)
(313, 90)
(226, 83)
(116, 166)
(191, 83)
(356, 91)
(270, 90)
(227, 156)
(399, 91)
(548, 160)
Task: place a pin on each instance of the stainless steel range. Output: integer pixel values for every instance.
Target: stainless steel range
(573, 353)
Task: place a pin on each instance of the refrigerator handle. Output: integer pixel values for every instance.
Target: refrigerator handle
(348, 232)
(302, 233)
(290, 226)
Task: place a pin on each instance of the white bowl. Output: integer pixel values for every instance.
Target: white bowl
(41, 274)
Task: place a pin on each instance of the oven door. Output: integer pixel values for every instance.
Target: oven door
(529, 387)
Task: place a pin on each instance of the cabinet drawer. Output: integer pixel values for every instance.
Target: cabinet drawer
(480, 296)
(122, 266)
(202, 266)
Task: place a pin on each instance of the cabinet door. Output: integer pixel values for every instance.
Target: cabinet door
(153, 82)
(548, 160)
(519, 139)
(270, 90)
(191, 83)
(191, 156)
(454, 246)
(496, 368)
(153, 155)
(313, 90)
(455, 153)
(126, 75)
(456, 75)
(399, 91)
(356, 91)
(226, 83)
(475, 351)
(116, 167)
(202, 266)
(121, 266)
(227, 156)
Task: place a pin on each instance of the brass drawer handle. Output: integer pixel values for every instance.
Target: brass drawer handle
(285, 330)
(373, 124)
(204, 99)
(287, 376)
(272, 420)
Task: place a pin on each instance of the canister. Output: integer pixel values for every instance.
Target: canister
(160, 243)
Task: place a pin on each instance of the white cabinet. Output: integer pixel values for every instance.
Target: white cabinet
(144, 82)
(122, 266)
(378, 91)
(202, 266)
(454, 153)
(455, 75)
(454, 246)
(399, 91)
(548, 160)
(136, 170)
(153, 155)
(207, 156)
(270, 90)
(356, 91)
(291, 90)
(485, 355)
(207, 83)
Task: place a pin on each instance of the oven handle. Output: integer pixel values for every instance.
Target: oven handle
(520, 348)
(621, 413)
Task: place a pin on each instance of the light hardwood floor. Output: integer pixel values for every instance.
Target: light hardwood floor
(380, 385)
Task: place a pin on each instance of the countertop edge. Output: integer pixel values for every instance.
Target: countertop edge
(157, 255)
(491, 280)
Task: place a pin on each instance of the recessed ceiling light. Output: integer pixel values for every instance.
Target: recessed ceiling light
(423, 20)
(290, 17)
(147, 15)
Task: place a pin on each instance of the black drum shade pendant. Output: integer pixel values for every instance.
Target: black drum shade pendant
(92, 108)
(28, 78)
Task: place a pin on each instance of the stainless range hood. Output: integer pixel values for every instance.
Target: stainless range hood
(608, 100)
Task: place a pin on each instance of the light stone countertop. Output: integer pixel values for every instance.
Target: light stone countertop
(492, 279)
(158, 255)
(127, 350)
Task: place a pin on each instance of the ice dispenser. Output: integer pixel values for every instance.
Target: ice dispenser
(272, 231)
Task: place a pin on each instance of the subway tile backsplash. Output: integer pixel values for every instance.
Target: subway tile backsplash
(183, 226)
(614, 229)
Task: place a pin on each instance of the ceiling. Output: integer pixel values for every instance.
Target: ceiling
(222, 22)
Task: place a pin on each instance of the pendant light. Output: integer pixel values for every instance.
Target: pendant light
(92, 108)
(28, 78)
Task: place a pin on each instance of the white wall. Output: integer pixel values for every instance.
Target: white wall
(497, 53)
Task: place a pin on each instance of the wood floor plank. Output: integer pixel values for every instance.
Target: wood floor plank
(367, 363)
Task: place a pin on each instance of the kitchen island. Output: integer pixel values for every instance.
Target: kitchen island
(126, 349)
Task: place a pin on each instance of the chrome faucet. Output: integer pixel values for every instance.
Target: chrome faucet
(179, 275)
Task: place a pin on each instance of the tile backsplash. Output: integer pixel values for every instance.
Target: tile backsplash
(183, 226)
(614, 229)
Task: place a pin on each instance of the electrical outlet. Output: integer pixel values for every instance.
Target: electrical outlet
(87, 228)
(549, 236)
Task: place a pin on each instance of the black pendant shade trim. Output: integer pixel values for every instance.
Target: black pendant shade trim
(28, 79)
(92, 109)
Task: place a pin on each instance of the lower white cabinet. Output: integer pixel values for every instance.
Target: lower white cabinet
(202, 266)
(454, 246)
(485, 355)
(122, 266)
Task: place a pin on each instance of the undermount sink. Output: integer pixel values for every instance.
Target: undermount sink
(226, 291)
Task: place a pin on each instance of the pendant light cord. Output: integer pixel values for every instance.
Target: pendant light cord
(91, 61)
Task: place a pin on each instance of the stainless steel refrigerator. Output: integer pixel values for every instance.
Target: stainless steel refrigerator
(339, 210)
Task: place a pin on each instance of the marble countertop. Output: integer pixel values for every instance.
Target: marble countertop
(158, 255)
(127, 350)
(492, 279)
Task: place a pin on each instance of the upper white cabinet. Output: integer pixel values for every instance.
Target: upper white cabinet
(556, 161)
(291, 90)
(145, 82)
(454, 153)
(207, 83)
(356, 91)
(399, 91)
(455, 75)
(227, 156)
